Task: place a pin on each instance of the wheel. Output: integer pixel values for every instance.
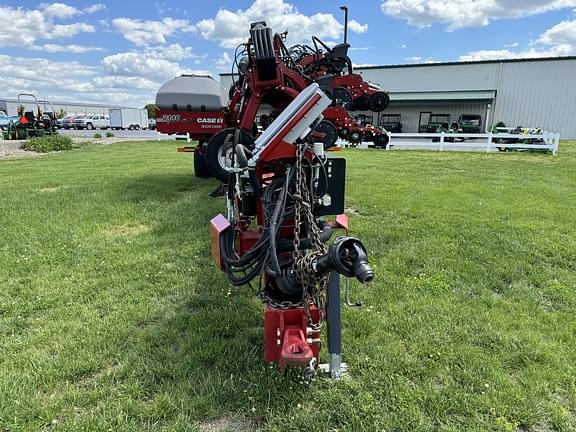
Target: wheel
(378, 101)
(361, 103)
(326, 133)
(265, 121)
(328, 91)
(200, 168)
(344, 132)
(343, 97)
(355, 138)
(89, 126)
(382, 140)
(137, 127)
(219, 157)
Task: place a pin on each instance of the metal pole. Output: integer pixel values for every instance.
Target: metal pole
(345, 9)
(334, 325)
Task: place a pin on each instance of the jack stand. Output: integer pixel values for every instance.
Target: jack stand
(335, 368)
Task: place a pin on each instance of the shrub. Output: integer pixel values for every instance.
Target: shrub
(48, 143)
(97, 136)
(109, 134)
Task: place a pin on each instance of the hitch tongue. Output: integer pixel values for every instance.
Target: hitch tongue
(295, 348)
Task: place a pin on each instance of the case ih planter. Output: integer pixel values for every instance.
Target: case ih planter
(270, 76)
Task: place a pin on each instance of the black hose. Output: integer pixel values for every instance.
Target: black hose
(325, 235)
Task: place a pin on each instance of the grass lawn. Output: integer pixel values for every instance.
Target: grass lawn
(113, 316)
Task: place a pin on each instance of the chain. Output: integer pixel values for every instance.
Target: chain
(280, 304)
(313, 287)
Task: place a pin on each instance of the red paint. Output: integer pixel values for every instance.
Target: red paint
(199, 124)
(218, 225)
(285, 336)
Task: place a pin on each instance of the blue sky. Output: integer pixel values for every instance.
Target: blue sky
(121, 52)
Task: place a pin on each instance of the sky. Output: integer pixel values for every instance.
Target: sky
(121, 52)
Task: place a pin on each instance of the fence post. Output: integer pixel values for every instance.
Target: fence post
(441, 141)
(556, 144)
(489, 142)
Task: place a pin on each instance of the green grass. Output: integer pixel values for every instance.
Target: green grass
(113, 316)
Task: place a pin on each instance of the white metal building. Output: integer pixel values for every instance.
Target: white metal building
(523, 92)
(10, 106)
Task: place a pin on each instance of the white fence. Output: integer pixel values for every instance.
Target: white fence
(476, 142)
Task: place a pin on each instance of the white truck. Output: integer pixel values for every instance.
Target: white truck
(128, 118)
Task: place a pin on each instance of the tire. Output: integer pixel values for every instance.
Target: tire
(217, 156)
(355, 138)
(137, 127)
(382, 140)
(361, 103)
(89, 126)
(327, 128)
(342, 97)
(378, 101)
(130, 127)
(200, 168)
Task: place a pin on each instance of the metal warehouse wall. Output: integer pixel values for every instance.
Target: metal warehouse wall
(426, 78)
(539, 93)
(11, 107)
(533, 92)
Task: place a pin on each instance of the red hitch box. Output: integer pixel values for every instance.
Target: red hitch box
(287, 339)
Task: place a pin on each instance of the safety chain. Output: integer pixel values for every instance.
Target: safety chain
(313, 287)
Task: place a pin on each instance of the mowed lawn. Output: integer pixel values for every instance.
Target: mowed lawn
(113, 316)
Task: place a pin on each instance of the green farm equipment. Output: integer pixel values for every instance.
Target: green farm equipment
(29, 124)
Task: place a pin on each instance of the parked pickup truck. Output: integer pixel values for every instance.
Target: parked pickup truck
(92, 122)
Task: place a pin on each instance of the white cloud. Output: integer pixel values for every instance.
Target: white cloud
(557, 41)
(223, 62)
(561, 34)
(55, 48)
(64, 31)
(363, 65)
(144, 64)
(414, 59)
(27, 26)
(465, 13)
(145, 33)
(124, 82)
(72, 81)
(173, 52)
(356, 27)
(58, 10)
(97, 7)
(231, 28)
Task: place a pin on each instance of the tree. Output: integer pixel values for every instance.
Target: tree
(151, 110)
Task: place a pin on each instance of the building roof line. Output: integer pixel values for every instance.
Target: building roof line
(60, 102)
(458, 63)
(455, 63)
